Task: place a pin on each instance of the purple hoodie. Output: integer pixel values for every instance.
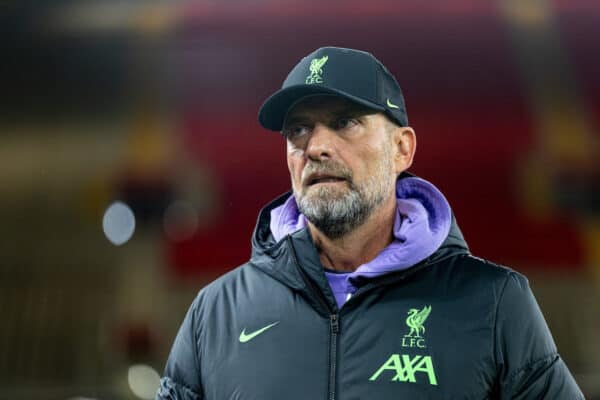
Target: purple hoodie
(422, 222)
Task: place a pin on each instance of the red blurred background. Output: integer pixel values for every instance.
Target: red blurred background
(468, 99)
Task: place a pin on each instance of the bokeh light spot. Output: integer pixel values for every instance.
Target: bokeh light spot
(118, 223)
(143, 381)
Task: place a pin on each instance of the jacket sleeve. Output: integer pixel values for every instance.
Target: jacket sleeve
(527, 359)
(181, 379)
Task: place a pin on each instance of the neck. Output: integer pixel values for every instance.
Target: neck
(361, 245)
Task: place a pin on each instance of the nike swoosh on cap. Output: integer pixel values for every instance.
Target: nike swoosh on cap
(390, 104)
(246, 337)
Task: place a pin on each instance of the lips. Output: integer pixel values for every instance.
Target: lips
(323, 178)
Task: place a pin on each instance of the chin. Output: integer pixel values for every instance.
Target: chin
(326, 193)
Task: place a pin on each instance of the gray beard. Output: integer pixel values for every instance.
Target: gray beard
(338, 217)
(337, 213)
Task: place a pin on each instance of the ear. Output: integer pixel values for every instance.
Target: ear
(405, 145)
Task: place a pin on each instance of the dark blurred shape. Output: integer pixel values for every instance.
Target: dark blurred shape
(180, 220)
(148, 199)
(579, 192)
(137, 341)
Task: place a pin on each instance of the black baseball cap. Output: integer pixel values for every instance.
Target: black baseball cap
(353, 74)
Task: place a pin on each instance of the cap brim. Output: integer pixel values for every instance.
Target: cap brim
(274, 110)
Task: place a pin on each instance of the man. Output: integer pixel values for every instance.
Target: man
(360, 284)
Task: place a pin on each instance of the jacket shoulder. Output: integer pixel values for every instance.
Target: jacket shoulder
(230, 280)
(236, 289)
(467, 272)
(479, 268)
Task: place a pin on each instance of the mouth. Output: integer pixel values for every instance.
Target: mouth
(318, 179)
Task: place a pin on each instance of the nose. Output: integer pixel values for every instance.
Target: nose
(321, 143)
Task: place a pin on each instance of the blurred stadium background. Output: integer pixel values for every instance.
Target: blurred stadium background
(132, 166)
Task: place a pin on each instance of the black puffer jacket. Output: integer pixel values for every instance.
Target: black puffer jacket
(451, 327)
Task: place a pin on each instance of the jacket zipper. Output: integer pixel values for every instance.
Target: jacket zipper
(335, 329)
(334, 323)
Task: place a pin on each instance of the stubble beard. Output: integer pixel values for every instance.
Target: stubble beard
(338, 211)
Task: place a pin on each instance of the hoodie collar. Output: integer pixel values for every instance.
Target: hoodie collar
(282, 244)
(422, 222)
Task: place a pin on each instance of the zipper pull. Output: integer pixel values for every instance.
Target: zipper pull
(335, 323)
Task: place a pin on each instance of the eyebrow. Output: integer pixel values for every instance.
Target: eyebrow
(294, 119)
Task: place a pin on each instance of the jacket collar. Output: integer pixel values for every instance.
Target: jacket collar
(294, 258)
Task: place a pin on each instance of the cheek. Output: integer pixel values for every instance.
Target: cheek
(295, 168)
(375, 159)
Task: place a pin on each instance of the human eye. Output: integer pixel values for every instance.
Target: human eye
(345, 123)
(295, 130)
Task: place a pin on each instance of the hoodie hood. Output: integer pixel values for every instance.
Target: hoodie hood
(422, 222)
(424, 231)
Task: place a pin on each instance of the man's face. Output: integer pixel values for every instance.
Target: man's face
(341, 162)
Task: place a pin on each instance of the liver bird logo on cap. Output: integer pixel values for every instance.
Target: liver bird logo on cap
(316, 70)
